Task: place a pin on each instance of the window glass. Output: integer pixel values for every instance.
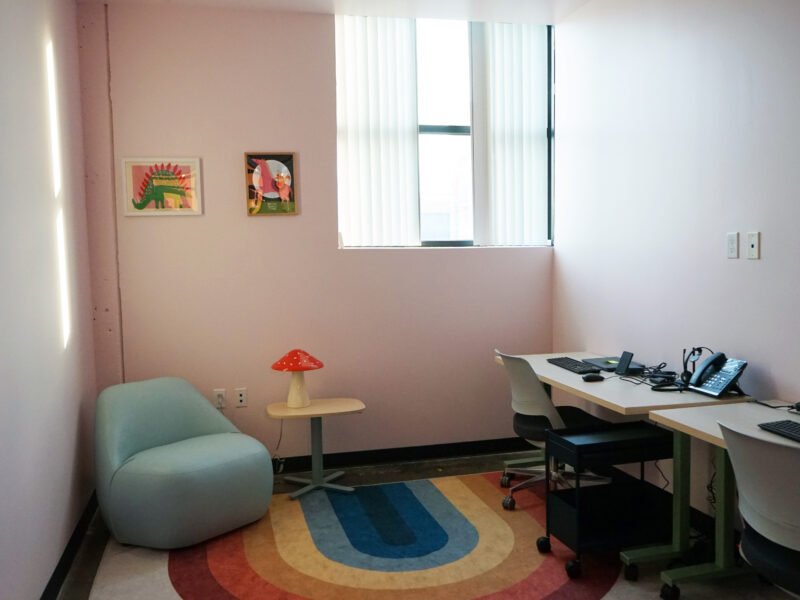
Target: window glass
(445, 187)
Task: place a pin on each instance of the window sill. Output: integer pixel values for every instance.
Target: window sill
(443, 247)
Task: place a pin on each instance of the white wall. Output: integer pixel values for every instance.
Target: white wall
(48, 389)
(677, 122)
(217, 299)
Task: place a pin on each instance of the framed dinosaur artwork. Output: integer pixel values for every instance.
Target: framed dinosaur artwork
(271, 183)
(162, 186)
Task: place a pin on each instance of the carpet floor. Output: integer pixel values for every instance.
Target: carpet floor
(439, 539)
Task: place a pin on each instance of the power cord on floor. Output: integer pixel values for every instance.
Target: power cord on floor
(712, 495)
(278, 462)
(664, 477)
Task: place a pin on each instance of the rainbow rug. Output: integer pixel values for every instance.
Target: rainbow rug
(446, 538)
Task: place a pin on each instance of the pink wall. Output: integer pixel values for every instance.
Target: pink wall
(48, 387)
(678, 122)
(216, 299)
(99, 165)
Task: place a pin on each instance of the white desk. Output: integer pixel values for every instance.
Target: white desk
(627, 398)
(614, 393)
(701, 423)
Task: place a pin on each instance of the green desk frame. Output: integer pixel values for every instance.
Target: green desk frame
(724, 564)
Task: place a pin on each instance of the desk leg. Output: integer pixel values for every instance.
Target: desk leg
(724, 564)
(317, 480)
(681, 446)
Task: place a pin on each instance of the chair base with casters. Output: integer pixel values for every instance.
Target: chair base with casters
(534, 429)
(525, 467)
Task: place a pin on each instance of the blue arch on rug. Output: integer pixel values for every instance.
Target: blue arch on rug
(391, 527)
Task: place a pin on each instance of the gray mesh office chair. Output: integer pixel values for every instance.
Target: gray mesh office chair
(768, 479)
(534, 414)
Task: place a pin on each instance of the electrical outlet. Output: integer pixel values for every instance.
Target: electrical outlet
(219, 397)
(732, 240)
(240, 397)
(754, 245)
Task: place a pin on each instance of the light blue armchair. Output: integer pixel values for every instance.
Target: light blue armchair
(170, 470)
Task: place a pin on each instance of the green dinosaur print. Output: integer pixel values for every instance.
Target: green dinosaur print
(161, 183)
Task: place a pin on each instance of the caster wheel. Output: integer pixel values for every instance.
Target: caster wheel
(505, 481)
(670, 592)
(573, 568)
(543, 545)
(631, 572)
(509, 503)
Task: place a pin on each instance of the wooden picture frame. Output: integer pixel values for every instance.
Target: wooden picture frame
(271, 180)
(161, 186)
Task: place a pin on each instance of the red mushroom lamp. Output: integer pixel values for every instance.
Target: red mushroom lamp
(297, 362)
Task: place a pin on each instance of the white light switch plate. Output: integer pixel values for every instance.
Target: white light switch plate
(732, 244)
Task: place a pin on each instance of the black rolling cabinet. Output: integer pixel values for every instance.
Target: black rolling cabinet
(623, 512)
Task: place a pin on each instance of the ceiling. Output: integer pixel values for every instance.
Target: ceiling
(516, 11)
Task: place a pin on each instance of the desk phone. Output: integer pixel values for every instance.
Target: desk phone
(717, 375)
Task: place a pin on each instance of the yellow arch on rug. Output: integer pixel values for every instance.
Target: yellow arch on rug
(296, 547)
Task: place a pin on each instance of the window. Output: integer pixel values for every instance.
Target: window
(443, 132)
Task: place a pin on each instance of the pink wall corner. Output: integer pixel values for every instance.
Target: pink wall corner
(100, 200)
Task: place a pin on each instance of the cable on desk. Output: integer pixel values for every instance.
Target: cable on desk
(653, 372)
(791, 407)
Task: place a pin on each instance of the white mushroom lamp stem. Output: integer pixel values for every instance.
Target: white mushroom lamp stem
(298, 394)
(296, 362)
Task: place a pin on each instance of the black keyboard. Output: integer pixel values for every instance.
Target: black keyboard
(570, 364)
(788, 429)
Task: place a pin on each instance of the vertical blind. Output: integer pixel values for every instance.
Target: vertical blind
(378, 171)
(376, 105)
(517, 122)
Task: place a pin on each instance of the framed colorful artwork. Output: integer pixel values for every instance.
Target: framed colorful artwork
(162, 186)
(271, 183)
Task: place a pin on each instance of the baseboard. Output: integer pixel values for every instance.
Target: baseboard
(53, 586)
(410, 453)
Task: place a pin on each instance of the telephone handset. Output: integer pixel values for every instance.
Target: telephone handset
(717, 375)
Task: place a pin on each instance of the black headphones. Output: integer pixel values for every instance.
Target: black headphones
(673, 384)
(692, 358)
